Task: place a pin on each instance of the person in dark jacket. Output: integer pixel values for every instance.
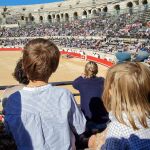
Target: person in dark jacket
(91, 88)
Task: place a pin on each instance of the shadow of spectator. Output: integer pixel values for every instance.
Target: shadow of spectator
(98, 110)
(99, 115)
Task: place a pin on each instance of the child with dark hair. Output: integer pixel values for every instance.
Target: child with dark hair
(6, 140)
(21, 77)
(40, 116)
(19, 73)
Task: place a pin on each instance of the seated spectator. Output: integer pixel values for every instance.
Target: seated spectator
(143, 54)
(123, 56)
(21, 77)
(40, 116)
(126, 97)
(91, 88)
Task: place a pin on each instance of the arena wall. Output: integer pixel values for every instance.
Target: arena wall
(104, 62)
(70, 10)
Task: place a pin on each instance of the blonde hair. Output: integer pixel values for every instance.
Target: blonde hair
(127, 89)
(91, 69)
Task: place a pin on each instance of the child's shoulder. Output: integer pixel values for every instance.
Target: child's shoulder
(60, 90)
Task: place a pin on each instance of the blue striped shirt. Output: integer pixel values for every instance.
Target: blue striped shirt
(43, 118)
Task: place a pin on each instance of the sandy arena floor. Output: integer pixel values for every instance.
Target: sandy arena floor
(68, 70)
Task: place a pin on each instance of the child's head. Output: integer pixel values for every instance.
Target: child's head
(91, 69)
(127, 89)
(40, 59)
(19, 73)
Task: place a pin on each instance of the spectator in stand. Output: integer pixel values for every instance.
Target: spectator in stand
(123, 56)
(91, 88)
(21, 77)
(40, 116)
(142, 54)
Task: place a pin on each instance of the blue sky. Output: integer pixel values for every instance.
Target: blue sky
(24, 2)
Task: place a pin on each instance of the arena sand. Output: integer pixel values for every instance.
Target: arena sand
(68, 70)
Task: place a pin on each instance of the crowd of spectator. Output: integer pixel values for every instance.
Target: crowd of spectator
(129, 127)
(103, 34)
(104, 45)
(81, 34)
(110, 26)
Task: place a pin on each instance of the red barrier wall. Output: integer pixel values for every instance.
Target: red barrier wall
(77, 55)
(10, 49)
(100, 61)
(91, 58)
(72, 54)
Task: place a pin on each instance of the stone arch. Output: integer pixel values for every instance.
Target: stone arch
(94, 12)
(32, 18)
(117, 8)
(66, 17)
(29, 16)
(62, 15)
(99, 9)
(130, 6)
(41, 18)
(75, 16)
(84, 14)
(144, 2)
(53, 16)
(105, 9)
(49, 18)
(57, 18)
(89, 11)
(22, 18)
(136, 2)
(24, 9)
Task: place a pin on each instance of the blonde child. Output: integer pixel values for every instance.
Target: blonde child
(127, 98)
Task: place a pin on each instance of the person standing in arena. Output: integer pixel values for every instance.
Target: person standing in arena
(91, 88)
(40, 116)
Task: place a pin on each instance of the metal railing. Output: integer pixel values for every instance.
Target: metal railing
(63, 83)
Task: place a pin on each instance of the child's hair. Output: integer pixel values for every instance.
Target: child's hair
(91, 69)
(127, 90)
(19, 73)
(40, 59)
